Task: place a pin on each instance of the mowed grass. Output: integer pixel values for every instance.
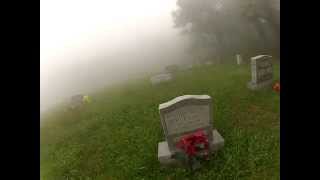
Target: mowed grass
(116, 136)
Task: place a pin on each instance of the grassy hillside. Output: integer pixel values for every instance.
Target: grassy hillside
(116, 136)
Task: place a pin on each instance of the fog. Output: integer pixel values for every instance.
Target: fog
(86, 45)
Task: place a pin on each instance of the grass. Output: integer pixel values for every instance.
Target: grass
(116, 136)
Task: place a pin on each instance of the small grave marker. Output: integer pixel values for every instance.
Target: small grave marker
(239, 59)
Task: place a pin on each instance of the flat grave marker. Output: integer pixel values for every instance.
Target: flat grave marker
(160, 78)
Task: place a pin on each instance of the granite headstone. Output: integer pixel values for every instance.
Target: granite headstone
(184, 115)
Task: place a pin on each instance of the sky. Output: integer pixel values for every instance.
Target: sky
(70, 26)
(87, 43)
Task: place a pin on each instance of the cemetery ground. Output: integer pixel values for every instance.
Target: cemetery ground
(116, 136)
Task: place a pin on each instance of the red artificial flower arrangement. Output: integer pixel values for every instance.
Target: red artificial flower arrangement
(194, 146)
(276, 87)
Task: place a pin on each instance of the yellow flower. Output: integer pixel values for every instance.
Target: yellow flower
(86, 99)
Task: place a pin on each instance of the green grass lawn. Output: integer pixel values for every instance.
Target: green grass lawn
(116, 136)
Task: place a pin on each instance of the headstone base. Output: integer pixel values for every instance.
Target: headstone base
(165, 156)
(256, 86)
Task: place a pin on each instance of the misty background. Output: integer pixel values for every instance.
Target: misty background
(89, 44)
(86, 45)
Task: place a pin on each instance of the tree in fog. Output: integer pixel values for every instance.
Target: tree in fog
(263, 16)
(220, 29)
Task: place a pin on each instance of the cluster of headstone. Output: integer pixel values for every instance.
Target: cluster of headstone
(187, 114)
(261, 71)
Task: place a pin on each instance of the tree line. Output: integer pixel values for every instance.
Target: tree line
(219, 29)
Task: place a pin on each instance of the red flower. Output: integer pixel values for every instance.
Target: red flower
(276, 87)
(189, 143)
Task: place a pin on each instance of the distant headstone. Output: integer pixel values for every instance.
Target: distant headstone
(189, 66)
(186, 67)
(172, 68)
(157, 79)
(239, 59)
(184, 115)
(261, 72)
(197, 63)
(208, 63)
(76, 101)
